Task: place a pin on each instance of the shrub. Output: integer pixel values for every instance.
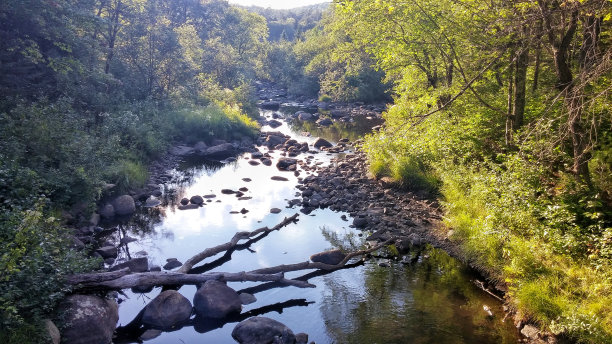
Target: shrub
(34, 258)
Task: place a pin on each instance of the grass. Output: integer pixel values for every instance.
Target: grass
(213, 121)
(502, 230)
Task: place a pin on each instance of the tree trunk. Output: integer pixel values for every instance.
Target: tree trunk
(510, 111)
(520, 84)
(112, 36)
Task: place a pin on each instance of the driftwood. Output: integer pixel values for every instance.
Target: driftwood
(123, 279)
(149, 279)
(320, 266)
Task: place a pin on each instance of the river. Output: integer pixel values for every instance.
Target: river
(432, 300)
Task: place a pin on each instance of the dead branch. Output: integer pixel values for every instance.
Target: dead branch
(209, 252)
(320, 266)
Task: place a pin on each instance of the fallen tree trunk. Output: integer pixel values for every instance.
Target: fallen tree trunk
(149, 279)
(123, 279)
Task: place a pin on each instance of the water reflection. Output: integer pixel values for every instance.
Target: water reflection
(432, 301)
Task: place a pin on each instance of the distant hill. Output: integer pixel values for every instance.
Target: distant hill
(292, 23)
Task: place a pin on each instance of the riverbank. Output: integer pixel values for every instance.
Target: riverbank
(383, 210)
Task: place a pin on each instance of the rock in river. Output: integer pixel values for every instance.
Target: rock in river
(172, 263)
(216, 300)
(107, 252)
(135, 265)
(151, 202)
(332, 257)
(261, 330)
(196, 200)
(167, 310)
(325, 122)
(284, 164)
(221, 151)
(321, 142)
(88, 319)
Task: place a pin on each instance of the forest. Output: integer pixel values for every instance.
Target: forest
(500, 110)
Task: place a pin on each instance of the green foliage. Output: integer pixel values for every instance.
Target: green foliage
(213, 122)
(323, 63)
(34, 258)
(514, 200)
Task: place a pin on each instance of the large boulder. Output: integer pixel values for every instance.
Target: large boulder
(167, 310)
(332, 257)
(124, 205)
(216, 300)
(321, 142)
(262, 330)
(220, 151)
(88, 319)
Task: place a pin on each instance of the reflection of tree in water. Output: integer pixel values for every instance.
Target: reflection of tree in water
(431, 301)
(346, 242)
(351, 130)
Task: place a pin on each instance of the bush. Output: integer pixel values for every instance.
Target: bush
(34, 258)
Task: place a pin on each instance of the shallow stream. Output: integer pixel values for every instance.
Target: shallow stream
(432, 300)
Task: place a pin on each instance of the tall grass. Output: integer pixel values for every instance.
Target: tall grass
(212, 121)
